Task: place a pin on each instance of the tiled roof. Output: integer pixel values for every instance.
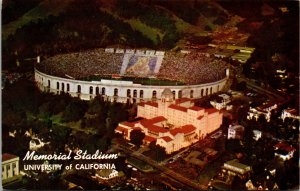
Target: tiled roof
(149, 124)
(7, 156)
(187, 129)
(167, 138)
(292, 111)
(175, 131)
(200, 117)
(129, 124)
(141, 104)
(285, 147)
(265, 106)
(157, 119)
(196, 108)
(211, 110)
(122, 130)
(153, 104)
(182, 100)
(177, 107)
(155, 128)
(149, 139)
(236, 128)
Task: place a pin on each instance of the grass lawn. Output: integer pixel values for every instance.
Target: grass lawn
(57, 118)
(74, 125)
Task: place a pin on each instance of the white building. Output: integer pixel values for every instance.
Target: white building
(173, 124)
(264, 110)
(233, 167)
(290, 113)
(222, 102)
(10, 167)
(36, 143)
(265, 184)
(235, 132)
(107, 174)
(257, 134)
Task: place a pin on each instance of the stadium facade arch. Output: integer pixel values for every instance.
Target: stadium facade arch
(121, 91)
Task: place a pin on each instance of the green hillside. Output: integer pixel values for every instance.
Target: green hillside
(40, 12)
(54, 26)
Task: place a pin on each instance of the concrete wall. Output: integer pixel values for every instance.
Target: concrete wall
(58, 84)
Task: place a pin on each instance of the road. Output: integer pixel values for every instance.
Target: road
(165, 170)
(252, 85)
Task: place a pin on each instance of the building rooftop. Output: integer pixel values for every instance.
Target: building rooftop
(182, 100)
(167, 91)
(236, 127)
(266, 106)
(196, 108)
(177, 107)
(7, 156)
(236, 164)
(130, 124)
(157, 119)
(224, 96)
(155, 128)
(167, 138)
(292, 111)
(149, 139)
(122, 130)
(284, 146)
(211, 110)
(200, 117)
(187, 129)
(151, 103)
(105, 172)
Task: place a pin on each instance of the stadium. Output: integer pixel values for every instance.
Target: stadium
(124, 75)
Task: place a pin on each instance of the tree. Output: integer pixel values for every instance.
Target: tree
(242, 113)
(262, 121)
(75, 110)
(220, 144)
(96, 105)
(83, 123)
(157, 152)
(136, 137)
(60, 135)
(233, 145)
(241, 86)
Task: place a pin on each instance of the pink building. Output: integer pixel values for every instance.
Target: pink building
(173, 124)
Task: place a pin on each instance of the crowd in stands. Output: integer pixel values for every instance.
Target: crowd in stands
(192, 68)
(83, 64)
